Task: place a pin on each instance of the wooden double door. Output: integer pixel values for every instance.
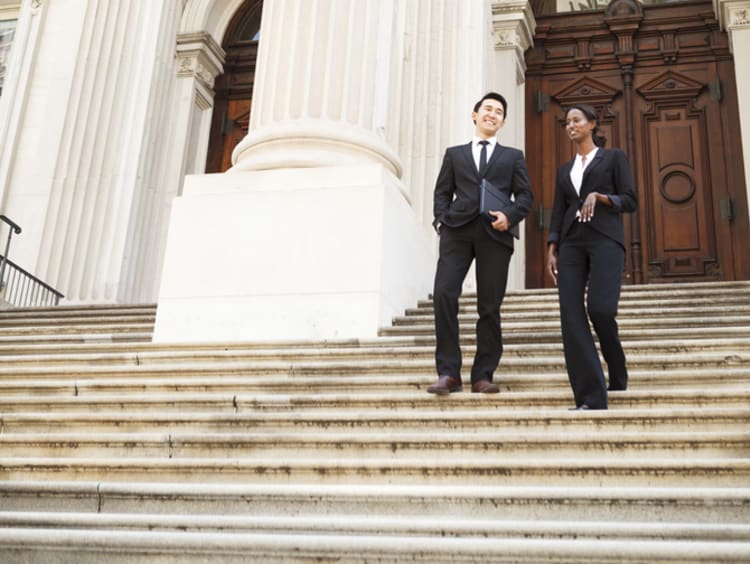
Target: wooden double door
(662, 80)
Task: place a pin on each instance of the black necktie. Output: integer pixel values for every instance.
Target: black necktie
(483, 156)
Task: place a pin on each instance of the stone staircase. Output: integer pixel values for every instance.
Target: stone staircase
(117, 450)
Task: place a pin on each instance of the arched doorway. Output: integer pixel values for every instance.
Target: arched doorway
(234, 89)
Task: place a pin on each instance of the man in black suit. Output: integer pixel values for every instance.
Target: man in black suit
(467, 235)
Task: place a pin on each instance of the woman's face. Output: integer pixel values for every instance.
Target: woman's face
(578, 125)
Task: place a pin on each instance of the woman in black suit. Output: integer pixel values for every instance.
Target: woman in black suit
(586, 246)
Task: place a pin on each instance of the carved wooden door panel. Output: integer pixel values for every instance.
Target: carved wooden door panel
(662, 80)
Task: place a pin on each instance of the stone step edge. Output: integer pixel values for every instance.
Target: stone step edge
(401, 440)
(229, 377)
(287, 547)
(722, 359)
(161, 354)
(641, 465)
(475, 414)
(426, 437)
(379, 525)
(357, 400)
(603, 494)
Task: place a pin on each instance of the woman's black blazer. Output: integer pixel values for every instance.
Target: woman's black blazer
(608, 173)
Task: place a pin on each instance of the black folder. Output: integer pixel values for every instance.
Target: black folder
(494, 199)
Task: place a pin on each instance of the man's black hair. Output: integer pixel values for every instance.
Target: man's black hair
(493, 96)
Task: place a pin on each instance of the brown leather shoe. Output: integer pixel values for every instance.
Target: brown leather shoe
(484, 387)
(445, 385)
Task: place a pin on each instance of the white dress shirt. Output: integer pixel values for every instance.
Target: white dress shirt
(579, 166)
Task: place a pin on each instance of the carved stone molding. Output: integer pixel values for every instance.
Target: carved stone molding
(733, 14)
(199, 56)
(513, 27)
(36, 5)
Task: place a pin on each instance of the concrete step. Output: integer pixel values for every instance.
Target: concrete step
(219, 402)
(83, 328)
(477, 500)
(432, 470)
(10, 323)
(469, 419)
(158, 355)
(530, 337)
(358, 445)
(520, 302)
(645, 291)
(719, 360)
(648, 380)
(124, 547)
(636, 328)
(118, 311)
(674, 314)
(28, 343)
(420, 326)
(380, 525)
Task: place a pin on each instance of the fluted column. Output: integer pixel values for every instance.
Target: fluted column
(95, 160)
(322, 93)
(513, 26)
(734, 16)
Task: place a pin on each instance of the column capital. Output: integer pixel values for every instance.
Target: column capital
(513, 26)
(733, 15)
(199, 56)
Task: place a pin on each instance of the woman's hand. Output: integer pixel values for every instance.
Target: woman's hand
(586, 213)
(552, 261)
(587, 209)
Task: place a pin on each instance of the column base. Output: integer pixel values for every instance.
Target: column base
(320, 253)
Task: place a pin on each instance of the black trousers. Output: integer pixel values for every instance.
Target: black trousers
(588, 258)
(459, 246)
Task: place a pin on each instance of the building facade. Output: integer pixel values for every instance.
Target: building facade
(264, 169)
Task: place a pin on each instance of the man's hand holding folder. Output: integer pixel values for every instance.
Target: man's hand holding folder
(492, 198)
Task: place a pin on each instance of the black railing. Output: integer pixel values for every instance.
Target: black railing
(18, 287)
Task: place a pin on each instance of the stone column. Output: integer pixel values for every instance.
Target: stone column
(180, 149)
(83, 135)
(310, 235)
(323, 97)
(734, 16)
(513, 26)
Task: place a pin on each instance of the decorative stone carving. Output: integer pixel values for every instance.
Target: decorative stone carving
(513, 27)
(733, 14)
(199, 56)
(739, 16)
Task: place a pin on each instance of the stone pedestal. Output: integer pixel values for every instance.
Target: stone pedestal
(329, 252)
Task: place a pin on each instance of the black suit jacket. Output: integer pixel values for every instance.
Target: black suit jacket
(608, 173)
(456, 200)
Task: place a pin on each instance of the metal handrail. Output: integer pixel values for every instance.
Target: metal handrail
(13, 227)
(21, 288)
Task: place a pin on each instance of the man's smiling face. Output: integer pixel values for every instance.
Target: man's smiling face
(489, 118)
